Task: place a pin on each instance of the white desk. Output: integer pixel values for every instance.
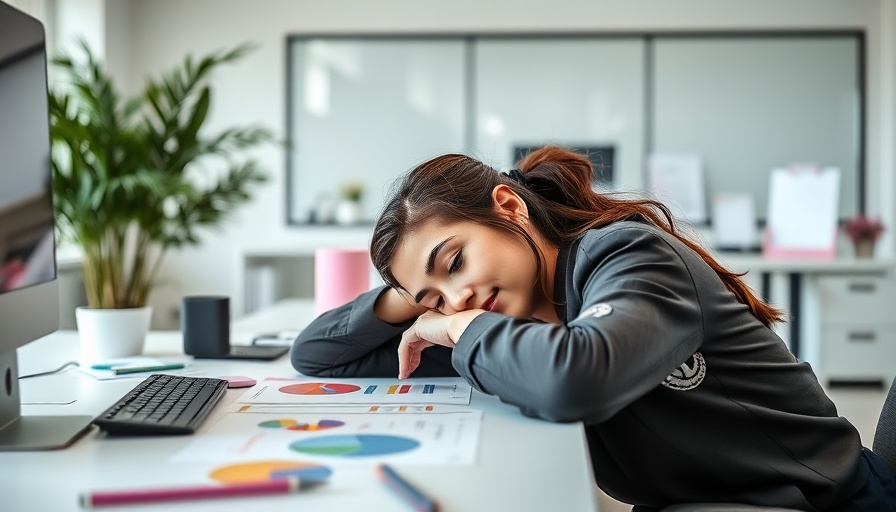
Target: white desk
(792, 284)
(522, 464)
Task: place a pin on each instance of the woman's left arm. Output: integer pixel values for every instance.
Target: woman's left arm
(354, 341)
(640, 318)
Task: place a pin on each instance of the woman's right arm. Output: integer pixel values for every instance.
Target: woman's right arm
(360, 339)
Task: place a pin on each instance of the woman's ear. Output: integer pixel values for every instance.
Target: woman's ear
(508, 203)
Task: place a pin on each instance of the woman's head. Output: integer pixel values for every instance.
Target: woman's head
(455, 216)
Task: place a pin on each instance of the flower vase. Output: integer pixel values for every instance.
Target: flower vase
(864, 247)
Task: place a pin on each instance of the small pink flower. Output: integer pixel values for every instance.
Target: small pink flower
(861, 227)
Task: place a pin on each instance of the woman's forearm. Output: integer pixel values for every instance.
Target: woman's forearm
(394, 308)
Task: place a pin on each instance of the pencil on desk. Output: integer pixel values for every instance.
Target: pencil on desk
(411, 494)
(94, 499)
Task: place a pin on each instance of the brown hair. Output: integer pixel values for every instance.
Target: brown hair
(561, 204)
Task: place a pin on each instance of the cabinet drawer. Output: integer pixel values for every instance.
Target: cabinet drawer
(857, 299)
(857, 351)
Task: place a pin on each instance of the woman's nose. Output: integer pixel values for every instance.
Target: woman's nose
(458, 299)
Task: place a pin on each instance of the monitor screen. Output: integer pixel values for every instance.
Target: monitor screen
(29, 291)
(601, 158)
(26, 207)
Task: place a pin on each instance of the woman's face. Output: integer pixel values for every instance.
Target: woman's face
(465, 265)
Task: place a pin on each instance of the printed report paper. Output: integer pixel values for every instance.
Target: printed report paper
(436, 390)
(340, 438)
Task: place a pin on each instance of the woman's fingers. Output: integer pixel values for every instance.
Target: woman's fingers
(431, 328)
(409, 353)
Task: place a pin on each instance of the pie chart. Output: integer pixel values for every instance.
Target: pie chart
(289, 424)
(320, 425)
(319, 388)
(363, 445)
(277, 424)
(266, 470)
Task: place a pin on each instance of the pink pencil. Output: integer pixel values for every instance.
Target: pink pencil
(199, 492)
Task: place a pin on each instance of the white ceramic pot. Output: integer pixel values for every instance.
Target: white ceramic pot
(348, 212)
(112, 333)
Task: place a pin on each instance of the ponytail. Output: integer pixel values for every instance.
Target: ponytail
(562, 204)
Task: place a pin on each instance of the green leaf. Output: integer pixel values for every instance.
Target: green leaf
(116, 160)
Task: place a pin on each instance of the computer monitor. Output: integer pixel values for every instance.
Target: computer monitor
(29, 290)
(601, 157)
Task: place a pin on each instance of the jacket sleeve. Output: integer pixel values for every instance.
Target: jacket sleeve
(351, 341)
(640, 318)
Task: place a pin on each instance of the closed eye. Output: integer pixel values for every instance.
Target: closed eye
(456, 263)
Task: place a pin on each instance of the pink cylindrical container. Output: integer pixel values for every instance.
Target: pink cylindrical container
(340, 275)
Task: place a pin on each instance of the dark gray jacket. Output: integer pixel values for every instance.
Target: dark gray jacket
(685, 395)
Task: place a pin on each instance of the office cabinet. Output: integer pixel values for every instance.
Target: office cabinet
(858, 328)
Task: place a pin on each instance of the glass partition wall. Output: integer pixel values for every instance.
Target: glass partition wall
(364, 109)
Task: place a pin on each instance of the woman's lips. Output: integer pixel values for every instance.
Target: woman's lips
(489, 303)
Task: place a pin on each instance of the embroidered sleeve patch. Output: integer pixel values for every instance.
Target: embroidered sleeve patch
(688, 375)
(598, 310)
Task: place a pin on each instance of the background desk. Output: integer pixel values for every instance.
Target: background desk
(841, 311)
(522, 464)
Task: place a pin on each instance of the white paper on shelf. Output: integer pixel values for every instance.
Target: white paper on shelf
(734, 220)
(802, 208)
(677, 181)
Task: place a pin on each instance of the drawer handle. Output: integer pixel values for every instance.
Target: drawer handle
(862, 336)
(862, 287)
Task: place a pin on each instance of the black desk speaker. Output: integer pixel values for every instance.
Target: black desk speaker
(205, 322)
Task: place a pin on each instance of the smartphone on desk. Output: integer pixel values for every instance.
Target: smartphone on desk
(276, 339)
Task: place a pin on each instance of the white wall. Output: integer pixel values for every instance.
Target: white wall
(147, 36)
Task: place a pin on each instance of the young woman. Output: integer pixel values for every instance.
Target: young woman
(580, 306)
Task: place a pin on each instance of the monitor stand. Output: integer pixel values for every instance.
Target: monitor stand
(26, 433)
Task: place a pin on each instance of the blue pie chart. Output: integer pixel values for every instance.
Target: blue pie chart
(362, 445)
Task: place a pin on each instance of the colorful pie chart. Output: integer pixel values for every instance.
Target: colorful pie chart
(363, 445)
(319, 388)
(266, 470)
(320, 425)
(289, 424)
(277, 424)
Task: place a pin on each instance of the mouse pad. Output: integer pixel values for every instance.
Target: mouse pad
(238, 381)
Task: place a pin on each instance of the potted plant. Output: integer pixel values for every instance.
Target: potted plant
(864, 232)
(136, 177)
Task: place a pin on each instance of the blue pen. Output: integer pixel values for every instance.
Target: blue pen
(414, 497)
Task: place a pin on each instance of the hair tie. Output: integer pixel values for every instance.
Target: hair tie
(540, 186)
(517, 176)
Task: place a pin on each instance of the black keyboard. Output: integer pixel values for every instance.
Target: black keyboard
(163, 404)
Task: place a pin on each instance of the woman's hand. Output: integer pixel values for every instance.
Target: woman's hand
(431, 328)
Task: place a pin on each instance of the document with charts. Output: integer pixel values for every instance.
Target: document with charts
(436, 390)
(355, 436)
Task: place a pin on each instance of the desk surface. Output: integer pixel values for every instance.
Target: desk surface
(741, 262)
(522, 464)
